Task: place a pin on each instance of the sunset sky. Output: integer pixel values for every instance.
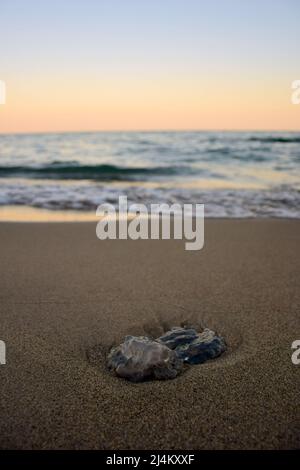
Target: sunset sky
(162, 64)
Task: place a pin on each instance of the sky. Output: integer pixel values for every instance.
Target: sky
(83, 65)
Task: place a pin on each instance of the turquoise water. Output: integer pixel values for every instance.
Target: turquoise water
(241, 174)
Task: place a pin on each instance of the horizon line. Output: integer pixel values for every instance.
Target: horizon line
(95, 131)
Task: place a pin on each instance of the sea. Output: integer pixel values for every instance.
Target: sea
(235, 174)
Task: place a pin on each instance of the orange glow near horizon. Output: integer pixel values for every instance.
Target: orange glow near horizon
(149, 65)
(156, 103)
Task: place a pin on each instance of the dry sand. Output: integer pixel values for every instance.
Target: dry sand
(62, 292)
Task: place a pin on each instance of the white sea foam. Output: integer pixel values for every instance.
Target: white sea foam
(281, 201)
(233, 174)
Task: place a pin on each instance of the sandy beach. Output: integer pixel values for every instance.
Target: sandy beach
(64, 295)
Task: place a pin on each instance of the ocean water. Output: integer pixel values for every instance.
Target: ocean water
(235, 174)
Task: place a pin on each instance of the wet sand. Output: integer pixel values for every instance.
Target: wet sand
(63, 293)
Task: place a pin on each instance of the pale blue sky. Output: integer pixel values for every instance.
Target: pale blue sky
(247, 43)
(141, 35)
